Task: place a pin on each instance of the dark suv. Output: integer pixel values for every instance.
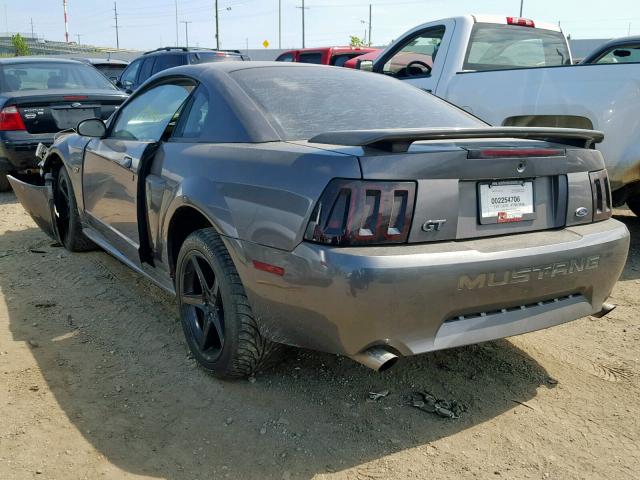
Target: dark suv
(160, 59)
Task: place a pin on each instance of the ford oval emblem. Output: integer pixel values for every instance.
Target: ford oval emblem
(581, 212)
(76, 104)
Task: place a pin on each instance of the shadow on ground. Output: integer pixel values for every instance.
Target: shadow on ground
(112, 353)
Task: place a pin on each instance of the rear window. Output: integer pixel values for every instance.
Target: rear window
(44, 76)
(495, 47)
(111, 71)
(306, 101)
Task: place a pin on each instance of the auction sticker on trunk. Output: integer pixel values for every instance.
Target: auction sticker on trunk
(507, 201)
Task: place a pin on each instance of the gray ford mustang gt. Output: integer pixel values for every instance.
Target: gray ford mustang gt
(336, 210)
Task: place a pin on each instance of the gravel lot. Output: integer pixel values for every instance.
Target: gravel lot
(96, 382)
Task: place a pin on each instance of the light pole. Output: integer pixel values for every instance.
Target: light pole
(177, 36)
(521, 5)
(303, 8)
(186, 30)
(280, 24)
(218, 10)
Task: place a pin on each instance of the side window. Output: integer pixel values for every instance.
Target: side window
(148, 115)
(194, 123)
(168, 61)
(287, 57)
(340, 60)
(311, 58)
(416, 57)
(129, 75)
(145, 69)
(629, 54)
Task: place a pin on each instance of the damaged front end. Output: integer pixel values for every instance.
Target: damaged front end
(35, 193)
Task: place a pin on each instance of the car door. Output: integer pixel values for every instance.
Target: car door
(418, 59)
(112, 164)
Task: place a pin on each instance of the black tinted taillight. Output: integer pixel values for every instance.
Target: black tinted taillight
(357, 212)
(601, 193)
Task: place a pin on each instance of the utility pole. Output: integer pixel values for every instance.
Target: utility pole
(217, 27)
(186, 30)
(369, 24)
(66, 20)
(115, 15)
(280, 24)
(521, 5)
(303, 8)
(177, 36)
(32, 34)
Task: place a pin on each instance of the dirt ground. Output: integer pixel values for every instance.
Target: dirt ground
(96, 382)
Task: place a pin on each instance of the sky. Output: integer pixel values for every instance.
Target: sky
(147, 24)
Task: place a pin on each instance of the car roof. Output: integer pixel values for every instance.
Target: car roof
(620, 41)
(97, 60)
(33, 59)
(164, 50)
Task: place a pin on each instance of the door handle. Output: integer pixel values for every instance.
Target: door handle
(126, 161)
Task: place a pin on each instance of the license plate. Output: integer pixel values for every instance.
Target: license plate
(70, 117)
(506, 202)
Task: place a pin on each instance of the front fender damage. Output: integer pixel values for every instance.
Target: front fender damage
(37, 200)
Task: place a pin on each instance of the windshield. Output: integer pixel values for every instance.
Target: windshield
(306, 101)
(23, 76)
(626, 54)
(495, 47)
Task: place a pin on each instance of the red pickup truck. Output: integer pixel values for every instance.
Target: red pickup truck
(325, 56)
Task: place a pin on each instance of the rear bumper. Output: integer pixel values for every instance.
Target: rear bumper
(17, 150)
(419, 298)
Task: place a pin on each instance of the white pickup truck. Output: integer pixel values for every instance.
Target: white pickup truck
(514, 72)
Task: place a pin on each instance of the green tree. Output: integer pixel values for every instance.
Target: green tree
(20, 44)
(356, 41)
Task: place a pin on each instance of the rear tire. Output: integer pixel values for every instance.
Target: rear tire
(5, 186)
(67, 218)
(634, 204)
(217, 320)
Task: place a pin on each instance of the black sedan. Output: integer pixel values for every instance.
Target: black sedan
(42, 96)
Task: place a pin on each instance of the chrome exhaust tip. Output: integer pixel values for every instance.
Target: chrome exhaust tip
(376, 358)
(606, 309)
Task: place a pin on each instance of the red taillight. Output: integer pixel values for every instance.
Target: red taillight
(516, 152)
(10, 119)
(355, 212)
(523, 22)
(75, 97)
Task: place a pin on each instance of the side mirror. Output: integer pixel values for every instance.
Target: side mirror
(92, 127)
(366, 65)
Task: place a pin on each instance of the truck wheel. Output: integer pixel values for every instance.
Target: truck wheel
(4, 183)
(634, 205)
(66, 215)
(216, 317)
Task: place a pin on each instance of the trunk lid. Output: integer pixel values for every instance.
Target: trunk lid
(480, 186)
(50, 112)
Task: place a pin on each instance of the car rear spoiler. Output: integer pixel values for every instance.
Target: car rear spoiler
(399, 140)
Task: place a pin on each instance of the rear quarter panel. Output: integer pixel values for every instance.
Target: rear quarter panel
(261, 193)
